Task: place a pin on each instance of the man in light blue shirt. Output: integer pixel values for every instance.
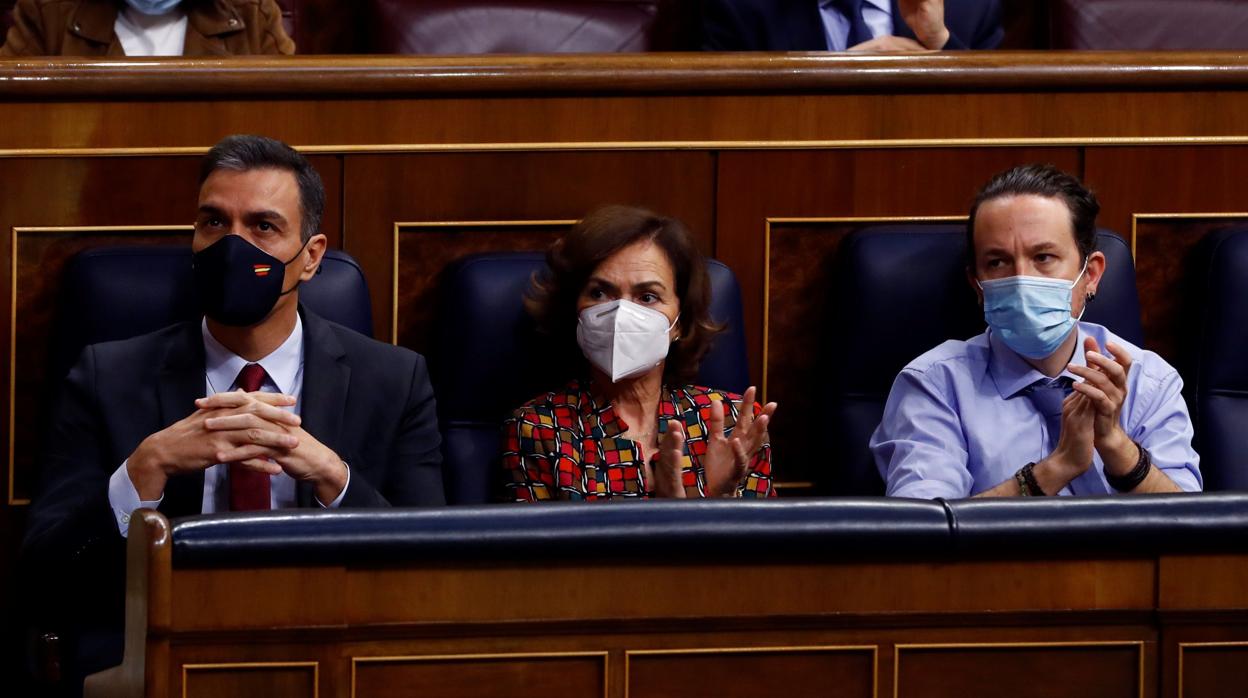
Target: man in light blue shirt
(1040, 404)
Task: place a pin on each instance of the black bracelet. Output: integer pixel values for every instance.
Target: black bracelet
(1132, 480)
(1029, 475)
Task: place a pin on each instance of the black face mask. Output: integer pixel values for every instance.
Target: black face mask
(238, 283)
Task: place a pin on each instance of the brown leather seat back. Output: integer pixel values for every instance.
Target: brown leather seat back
(1147, 25)
(510, 26)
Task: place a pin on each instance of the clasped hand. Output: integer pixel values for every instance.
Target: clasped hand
(1092, 413)
(248, 428)
(727, 460)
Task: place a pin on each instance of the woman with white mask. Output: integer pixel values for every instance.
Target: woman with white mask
(146, 28)
(631, 289)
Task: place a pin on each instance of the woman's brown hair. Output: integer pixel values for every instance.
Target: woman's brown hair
(552, 296)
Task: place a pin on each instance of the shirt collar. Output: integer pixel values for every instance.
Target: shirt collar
(881, 5)
(222, 366)
(1011, 373)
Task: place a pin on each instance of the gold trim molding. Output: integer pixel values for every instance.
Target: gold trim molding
(13, 239)
(873, 649)
(490, 657)
(539, 146)
(316, 670)
(1137, 644)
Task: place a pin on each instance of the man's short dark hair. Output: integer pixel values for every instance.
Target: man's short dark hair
(242, 153)
(1049, 182)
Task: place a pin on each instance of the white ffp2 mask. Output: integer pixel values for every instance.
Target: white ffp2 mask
(623, 339)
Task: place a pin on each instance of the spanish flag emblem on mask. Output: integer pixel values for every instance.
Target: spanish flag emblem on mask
(261, 269)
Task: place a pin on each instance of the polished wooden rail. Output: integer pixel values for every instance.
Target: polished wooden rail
(653, 73)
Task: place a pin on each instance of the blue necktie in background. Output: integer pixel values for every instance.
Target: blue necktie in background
(858, 29)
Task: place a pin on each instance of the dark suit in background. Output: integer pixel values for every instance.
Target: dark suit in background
(796, 25)
(370, 402)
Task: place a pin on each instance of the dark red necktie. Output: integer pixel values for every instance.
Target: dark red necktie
(249, 489)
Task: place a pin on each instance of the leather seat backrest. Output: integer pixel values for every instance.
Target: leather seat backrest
(901, 290)
(488, 359)
(1215, 362)
(110, 293)
(510, 26)
(1149, 25)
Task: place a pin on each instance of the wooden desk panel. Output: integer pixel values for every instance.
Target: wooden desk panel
(1045, 627)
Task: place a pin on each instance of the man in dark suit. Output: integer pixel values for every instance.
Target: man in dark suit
(260, 405)
(856, 25)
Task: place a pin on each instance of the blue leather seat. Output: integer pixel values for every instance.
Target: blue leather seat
(488, 359)
(900, 290)
(1214, 368)
(111, 293)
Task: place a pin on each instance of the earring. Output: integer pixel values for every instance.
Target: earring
(1091, 297)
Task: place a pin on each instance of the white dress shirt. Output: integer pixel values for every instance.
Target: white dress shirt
(878, 14)
(284, 374)
(151, 35)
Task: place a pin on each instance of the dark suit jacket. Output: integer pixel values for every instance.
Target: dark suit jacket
(370, 402)
(796, 25)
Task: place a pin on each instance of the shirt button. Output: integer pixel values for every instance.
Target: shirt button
(125, 518)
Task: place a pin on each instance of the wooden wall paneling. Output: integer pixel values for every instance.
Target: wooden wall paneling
(608, 123)
(1026, 670)
(1212, 669)
(272, 680)
(732, 672)
(50, 193)
(1168, 277)
(573, 674)
(489, 200)
(1169, 197)
(1204, 616)
(803, 194)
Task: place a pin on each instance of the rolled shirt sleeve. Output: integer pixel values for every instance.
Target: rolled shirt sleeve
(919, 446)
(1164, 427)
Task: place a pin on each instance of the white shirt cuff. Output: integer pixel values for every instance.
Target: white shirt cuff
(124, 498)
(337, 500)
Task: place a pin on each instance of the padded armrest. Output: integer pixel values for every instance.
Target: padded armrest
(1147, 524)
(679, 531)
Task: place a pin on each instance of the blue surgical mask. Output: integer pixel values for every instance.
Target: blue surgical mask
(153, 7)
(1031, 313)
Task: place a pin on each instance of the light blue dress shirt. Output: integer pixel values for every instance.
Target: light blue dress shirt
(964, 417)
(878, 14)
(284, 374)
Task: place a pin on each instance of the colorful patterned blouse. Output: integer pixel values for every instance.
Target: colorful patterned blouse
(564, 445)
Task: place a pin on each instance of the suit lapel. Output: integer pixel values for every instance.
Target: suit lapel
(805, 28)
(179, 383)
(326, 379)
